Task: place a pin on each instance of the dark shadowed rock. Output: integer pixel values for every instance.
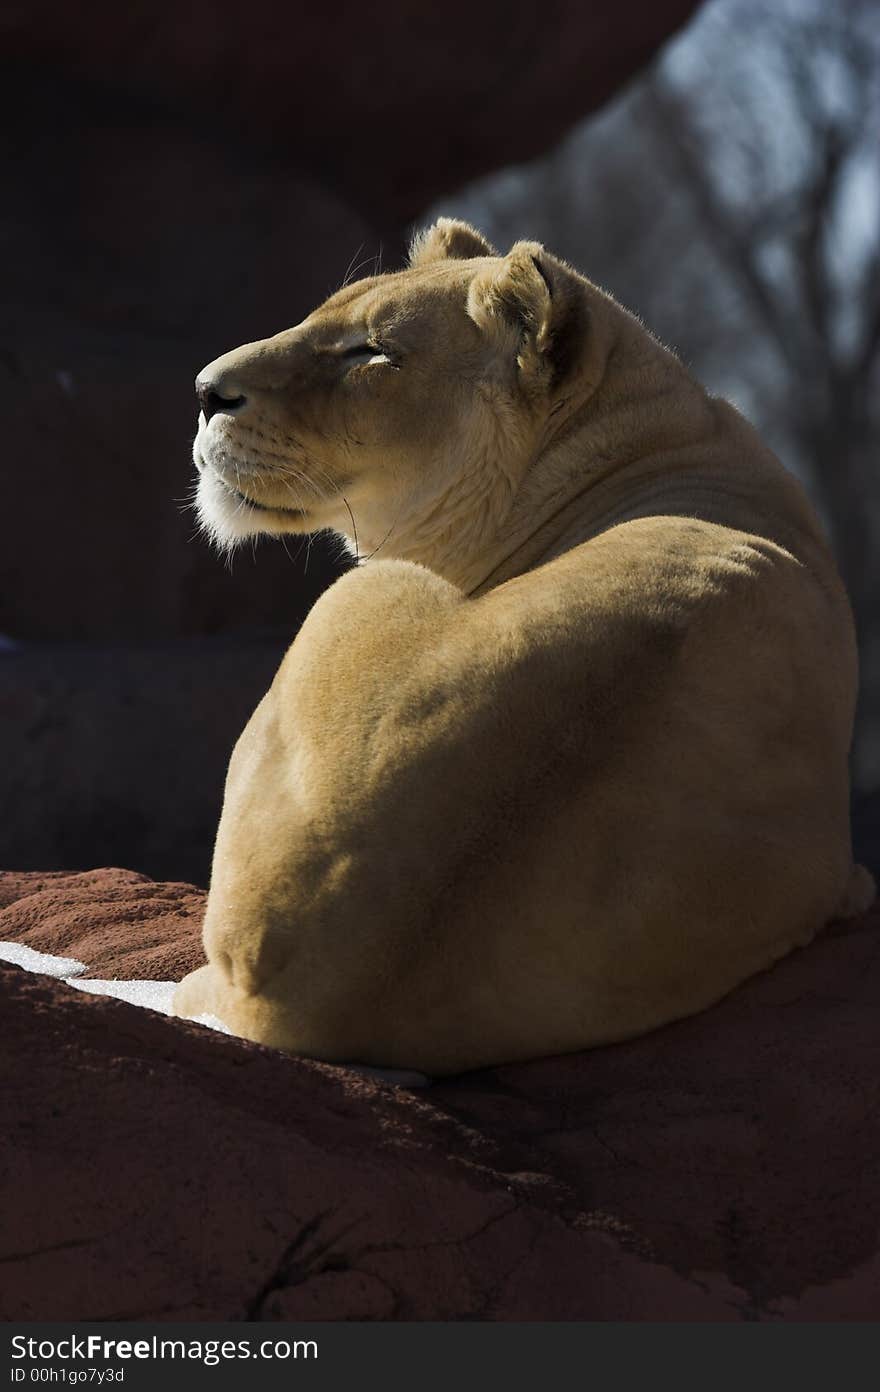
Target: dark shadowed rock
(392, 111)
(118, 755)
(719, 1169)
(866, 830)
(138, 259)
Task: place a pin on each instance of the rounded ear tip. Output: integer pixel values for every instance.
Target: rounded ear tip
(448, 238)
(527, 247)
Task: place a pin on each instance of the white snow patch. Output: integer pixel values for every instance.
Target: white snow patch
(31, 960)
(151, 995)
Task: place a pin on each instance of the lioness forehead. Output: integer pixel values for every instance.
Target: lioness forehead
(399, 294)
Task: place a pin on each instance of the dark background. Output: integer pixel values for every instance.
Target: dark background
(178, 183)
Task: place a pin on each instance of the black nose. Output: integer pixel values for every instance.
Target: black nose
(212, 402)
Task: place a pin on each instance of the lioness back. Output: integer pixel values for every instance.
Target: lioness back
(565, 757)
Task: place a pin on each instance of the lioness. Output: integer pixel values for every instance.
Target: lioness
(565, 756)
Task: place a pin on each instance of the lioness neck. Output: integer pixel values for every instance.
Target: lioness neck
(596, 437)
(604, 452)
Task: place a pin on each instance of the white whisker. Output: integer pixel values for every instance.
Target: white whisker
(349, 272)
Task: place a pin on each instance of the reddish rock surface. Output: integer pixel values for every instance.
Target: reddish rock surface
(723, 1168)
(118, 923)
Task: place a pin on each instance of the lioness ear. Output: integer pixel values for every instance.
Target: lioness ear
(535, 307)
(447, 239)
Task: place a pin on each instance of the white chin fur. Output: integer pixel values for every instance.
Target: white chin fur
(225, 519)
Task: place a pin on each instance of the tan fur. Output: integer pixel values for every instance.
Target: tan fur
(565, 757)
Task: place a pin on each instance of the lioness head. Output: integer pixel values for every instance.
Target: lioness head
(405, 412)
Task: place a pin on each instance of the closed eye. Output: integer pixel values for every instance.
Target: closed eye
(369, 353)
